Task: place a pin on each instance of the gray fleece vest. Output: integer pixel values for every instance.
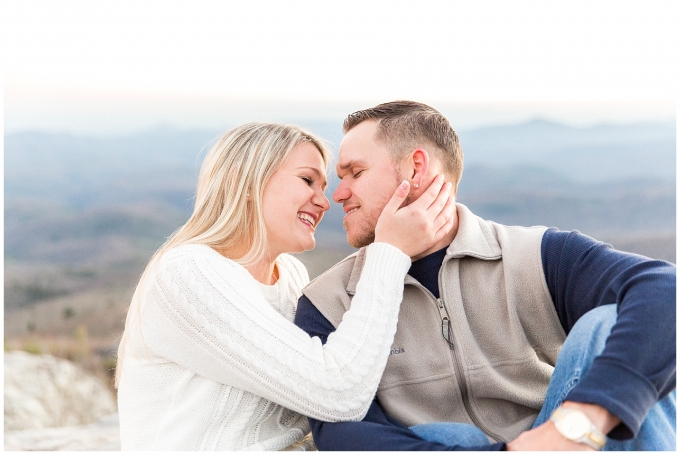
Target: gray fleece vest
(496, 311)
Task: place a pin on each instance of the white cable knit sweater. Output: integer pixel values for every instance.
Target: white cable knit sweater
(227, 370)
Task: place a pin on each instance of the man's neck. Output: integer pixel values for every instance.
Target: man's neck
(446, 241)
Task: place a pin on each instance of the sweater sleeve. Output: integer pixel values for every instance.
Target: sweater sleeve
(205, 313)
(625, 378)
(377, 430)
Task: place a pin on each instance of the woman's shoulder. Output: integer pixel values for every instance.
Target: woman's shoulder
(189, 249)
(195, 263)
(193, 255)
(185, 253)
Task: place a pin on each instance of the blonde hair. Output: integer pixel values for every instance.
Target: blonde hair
(228, 208)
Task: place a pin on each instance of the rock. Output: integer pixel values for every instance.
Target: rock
(101, 435)
(42, 391)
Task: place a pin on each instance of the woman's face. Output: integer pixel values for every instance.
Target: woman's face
(293, 201)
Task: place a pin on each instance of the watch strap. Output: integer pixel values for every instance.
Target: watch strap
(593, 437)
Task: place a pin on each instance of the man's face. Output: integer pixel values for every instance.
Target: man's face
(368, 178)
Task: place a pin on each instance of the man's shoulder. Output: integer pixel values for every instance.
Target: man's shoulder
(329, 291)
(337, 274)
(489, 239)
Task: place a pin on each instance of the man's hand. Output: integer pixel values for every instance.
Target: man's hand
(546, 436)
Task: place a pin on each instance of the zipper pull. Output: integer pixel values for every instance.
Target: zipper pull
(446, 323)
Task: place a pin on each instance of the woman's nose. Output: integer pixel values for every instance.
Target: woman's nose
(321, 200)
(325, 205)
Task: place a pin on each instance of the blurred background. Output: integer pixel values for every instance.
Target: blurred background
(566, 112)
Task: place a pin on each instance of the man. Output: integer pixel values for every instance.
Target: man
(486, 312)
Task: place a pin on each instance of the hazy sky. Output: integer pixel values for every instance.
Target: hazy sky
(115, 66)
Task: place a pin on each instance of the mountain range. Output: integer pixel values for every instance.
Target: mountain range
(81, 211)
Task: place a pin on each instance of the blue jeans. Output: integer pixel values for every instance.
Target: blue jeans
(585, 341)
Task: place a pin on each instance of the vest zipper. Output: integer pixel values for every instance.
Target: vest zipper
(462, 382)
(448, 336)
(446, 322)
(459, 373)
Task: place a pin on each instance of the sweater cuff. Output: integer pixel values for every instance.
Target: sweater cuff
(622, 391)
(381, 257)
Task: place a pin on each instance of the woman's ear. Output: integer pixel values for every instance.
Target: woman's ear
(420, 160)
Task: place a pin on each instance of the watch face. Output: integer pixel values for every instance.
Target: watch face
(574, 425)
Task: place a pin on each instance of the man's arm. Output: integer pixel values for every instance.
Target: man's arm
(377, 431)
(625, 379)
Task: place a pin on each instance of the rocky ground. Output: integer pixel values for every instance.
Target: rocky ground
(52, 404)
(103, 434)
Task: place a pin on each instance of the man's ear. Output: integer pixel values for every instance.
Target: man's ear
(420, 160)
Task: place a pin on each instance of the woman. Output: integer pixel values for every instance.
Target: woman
(210, 358)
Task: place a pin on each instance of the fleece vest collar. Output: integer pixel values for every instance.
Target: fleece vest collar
(474, 238)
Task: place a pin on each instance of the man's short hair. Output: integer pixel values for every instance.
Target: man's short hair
(406, 125)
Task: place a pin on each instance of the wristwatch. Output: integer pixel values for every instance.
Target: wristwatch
(576, 426)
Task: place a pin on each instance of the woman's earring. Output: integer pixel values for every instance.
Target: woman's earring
(415, 185)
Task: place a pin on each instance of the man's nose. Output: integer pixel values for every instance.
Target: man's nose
(341, 193)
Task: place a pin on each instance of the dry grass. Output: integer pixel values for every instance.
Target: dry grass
(101, 311)
(94, 355)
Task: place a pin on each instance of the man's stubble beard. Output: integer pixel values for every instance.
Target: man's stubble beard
(366, 234)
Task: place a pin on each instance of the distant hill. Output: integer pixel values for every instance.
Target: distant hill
(83, 213)
(599, 153)
(81, 172)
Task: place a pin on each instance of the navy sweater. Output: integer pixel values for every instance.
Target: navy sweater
(581, 274)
